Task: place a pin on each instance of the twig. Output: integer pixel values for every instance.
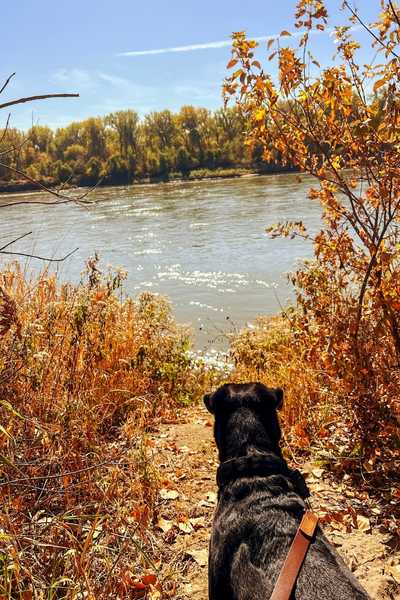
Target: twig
(41, 97)
(5, 128)
(57, 260)
(16, 240)
(361, 22)
(396, 16)
(66, 473)
(63, 198)
(14, 148)
(6, 83)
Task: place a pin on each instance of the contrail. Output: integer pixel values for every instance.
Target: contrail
(225, 43)
(192, 47)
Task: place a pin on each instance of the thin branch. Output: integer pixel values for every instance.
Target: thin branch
(46, 259)
(14, 148)
(396, 16)
(16, 240)
(63, 198)
(41, 97)
(361, 22)
(6, 83)
(3, 135)
(66, 473)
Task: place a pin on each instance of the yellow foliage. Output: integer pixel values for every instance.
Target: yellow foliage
(345, 330)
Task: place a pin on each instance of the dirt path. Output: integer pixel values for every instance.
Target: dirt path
(188, 461)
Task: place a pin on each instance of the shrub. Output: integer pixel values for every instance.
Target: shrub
(84, 375)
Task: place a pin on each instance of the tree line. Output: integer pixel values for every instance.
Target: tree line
(121, 148)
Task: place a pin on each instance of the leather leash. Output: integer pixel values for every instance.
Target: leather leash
(295, 557)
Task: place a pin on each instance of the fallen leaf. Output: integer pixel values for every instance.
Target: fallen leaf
(212, 497)
(183, 449)
(168, 494)
(149, 579)
(363, 523)
(199, 556)
(164, 524)
(186, 527)
(395, 572)
(317, 472)
(198, 522)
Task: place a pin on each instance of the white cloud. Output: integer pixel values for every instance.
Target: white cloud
(78, 77)
(114, 80)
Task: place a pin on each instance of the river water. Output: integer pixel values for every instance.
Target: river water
(201, 243)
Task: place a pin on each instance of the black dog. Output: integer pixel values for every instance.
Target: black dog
(260, 506)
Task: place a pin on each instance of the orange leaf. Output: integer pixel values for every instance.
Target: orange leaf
(231, 63)
(138, 585)
(149, 579)
(378, 84)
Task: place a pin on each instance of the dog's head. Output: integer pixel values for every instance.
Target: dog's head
(245, 415)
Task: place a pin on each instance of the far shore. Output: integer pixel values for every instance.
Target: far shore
(194, 175)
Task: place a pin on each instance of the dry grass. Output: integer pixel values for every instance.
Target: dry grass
(324, 415)
(84, 375)
(270, 353)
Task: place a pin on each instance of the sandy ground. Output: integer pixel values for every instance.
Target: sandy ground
(187, 460)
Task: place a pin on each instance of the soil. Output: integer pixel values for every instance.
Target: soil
(187, 460)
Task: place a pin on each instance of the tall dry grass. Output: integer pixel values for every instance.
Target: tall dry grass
(326, 413)
(84, 375)
(269, 352)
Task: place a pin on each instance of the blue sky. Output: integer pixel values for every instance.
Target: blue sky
(79, 46)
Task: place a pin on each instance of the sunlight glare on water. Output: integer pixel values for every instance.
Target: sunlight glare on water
(203, 243)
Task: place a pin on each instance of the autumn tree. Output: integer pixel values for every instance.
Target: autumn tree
(341, 125)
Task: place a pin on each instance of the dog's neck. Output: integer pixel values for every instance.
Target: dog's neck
(247, 448)
(244, 434)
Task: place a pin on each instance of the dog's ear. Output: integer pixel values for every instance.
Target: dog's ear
(208, 401)
(219, 401)
(271, 397)
(278, 394)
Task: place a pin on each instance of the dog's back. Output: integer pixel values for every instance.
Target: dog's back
(260, 507)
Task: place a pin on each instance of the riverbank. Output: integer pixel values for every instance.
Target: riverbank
(16, 186)
(107, 468)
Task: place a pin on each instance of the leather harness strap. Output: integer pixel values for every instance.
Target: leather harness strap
(295, 557)
(261, 464)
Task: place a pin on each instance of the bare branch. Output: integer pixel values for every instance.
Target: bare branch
(6, 83)
(63, 198)
(31, 98)
(5, 128)
(394, 11)
(57, 476)
(14, 148)
(361, 22)
(56, 260)
(16, 240)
